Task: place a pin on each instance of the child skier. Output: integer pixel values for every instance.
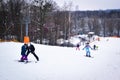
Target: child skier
(23, 53)
(87, 48)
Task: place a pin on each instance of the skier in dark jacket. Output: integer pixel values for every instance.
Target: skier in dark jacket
(95, 47)
(23, 52)
(31, 49)
(78, 47)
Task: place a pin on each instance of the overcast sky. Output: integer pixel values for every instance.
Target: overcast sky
(91, 4)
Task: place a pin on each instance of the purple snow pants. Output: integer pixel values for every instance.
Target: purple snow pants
(24, 57)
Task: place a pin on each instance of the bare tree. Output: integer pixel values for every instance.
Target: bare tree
(118, 27)
(3, 19)
(96, 26)
(103, 26)
(42, 9)
(15, 7)
(90, 25)
(67, 19)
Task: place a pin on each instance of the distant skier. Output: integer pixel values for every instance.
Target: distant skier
(78, 47)
(31, 49)
(23, 53)
(87, 48)
(95, 47)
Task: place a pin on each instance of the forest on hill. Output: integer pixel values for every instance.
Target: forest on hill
(46, 21)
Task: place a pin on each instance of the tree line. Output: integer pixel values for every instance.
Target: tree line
(102, 22)
(48, 22)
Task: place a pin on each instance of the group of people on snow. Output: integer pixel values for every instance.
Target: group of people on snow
(26, 49)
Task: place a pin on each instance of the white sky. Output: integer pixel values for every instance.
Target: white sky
(91, 4)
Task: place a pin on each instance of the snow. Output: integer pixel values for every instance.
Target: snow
(62, 63)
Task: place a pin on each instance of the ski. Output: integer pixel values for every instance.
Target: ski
(89, 56)
(26, 61)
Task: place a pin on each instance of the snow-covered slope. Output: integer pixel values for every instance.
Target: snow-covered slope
(62, 63)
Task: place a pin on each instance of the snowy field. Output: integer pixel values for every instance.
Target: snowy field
(62, 63)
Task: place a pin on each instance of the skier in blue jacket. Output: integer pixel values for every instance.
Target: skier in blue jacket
(87, 48)
(23, 53)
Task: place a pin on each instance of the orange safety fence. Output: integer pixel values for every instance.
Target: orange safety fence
(115, 37)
